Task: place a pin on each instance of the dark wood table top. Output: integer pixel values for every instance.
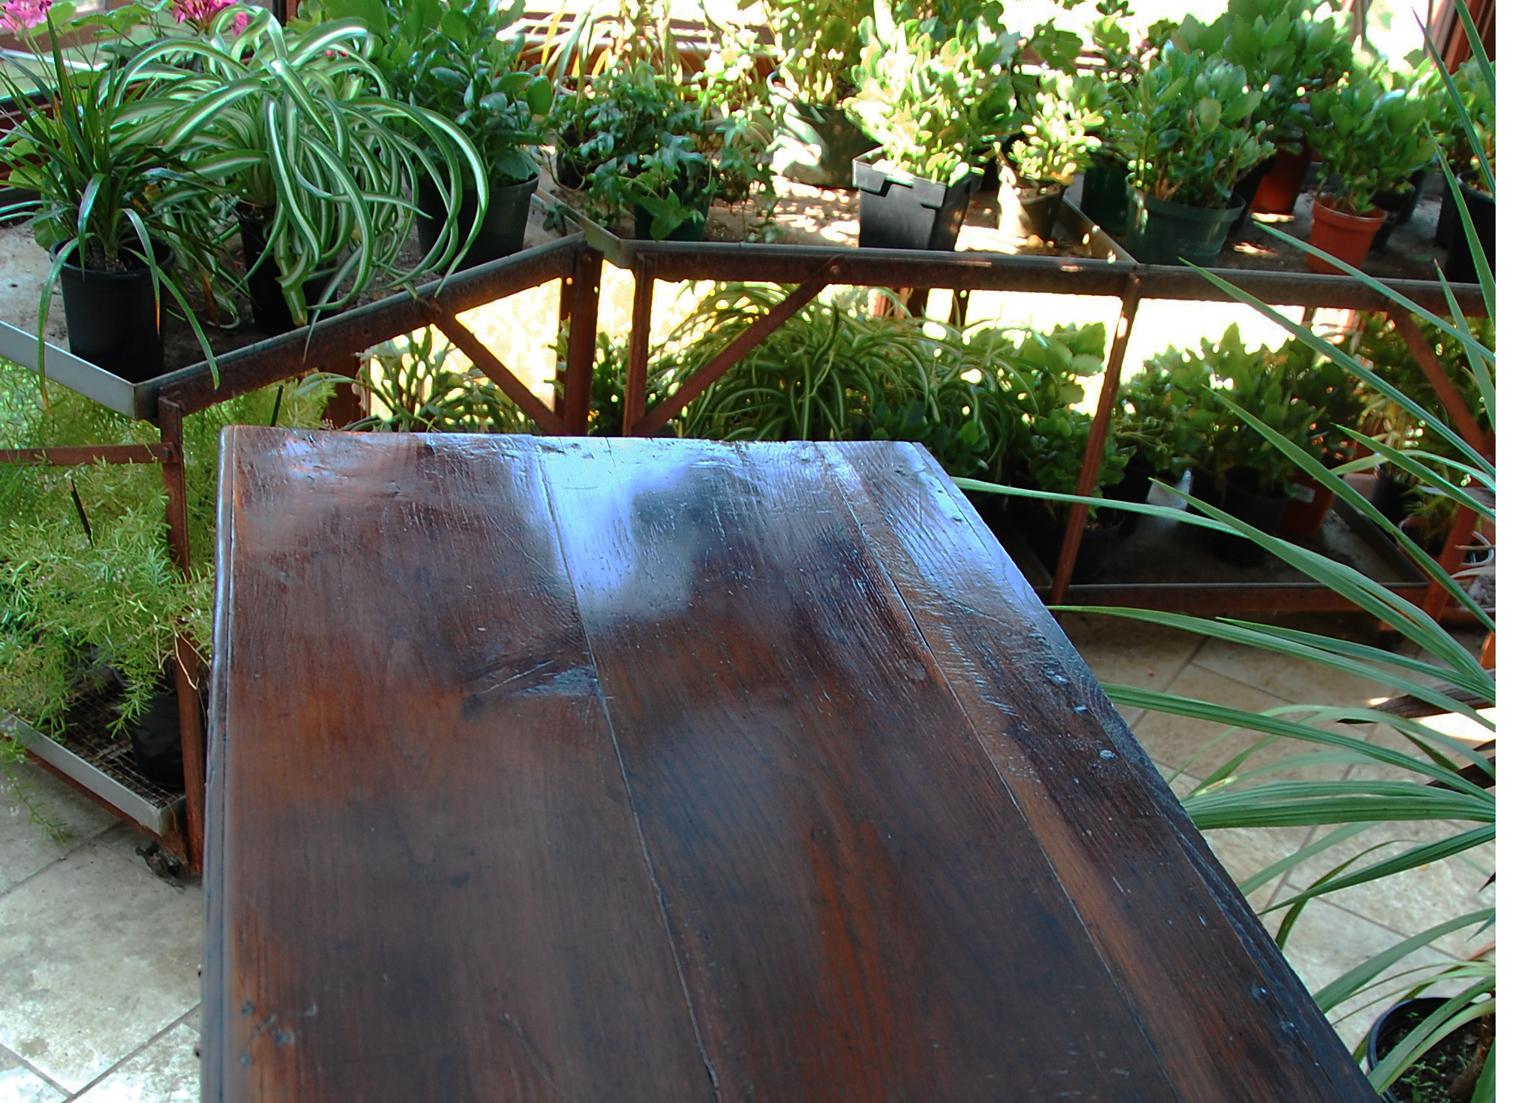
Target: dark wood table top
(669, 770)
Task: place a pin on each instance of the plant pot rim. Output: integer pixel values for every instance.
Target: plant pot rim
(1233, 203)
(1326, 203)
(162, 253)
(875, 159)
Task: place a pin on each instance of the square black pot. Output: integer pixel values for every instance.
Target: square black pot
(901, 211)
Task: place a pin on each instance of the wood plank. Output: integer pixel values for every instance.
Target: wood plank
(860, 910)
(1224, 1009)
(429, 884)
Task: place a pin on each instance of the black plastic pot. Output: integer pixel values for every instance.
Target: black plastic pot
(1390, 495)
(1244, 190)
(1399, 208)
(1393, 1025)
(692, 230)
(1240, 496)
(1035, 214)
(112, 318)
(1458, 266)
(1107, 194)
(1134, 485)
(817, 143)
(1045, 530)
(268, 310)
(1166, 233)
(502, 232)
(901, 211)
(155, 738)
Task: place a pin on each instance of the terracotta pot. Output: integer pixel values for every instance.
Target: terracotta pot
(1281, 185)
(1346, 236)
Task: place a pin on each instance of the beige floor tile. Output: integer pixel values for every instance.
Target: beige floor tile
(1198, 748)
(165, 1072)
(99, 956)
(19, 1084)
(27, 846)
(1127, 652)
(1328, 941)
(1288, 678)
(1245, 851)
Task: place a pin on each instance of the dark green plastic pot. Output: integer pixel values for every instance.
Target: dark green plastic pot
(1480, 205)
(692, 230)
(1107, 194)
(901, 211)
(1166, 233)
(112, 318)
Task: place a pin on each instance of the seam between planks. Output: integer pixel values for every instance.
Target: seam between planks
(629, 796)
(836, 466)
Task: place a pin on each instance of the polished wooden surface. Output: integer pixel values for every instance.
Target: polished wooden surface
(557, 769)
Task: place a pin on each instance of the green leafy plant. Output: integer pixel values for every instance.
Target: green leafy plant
(933, 99)
(653, 145)
(1189, 131)
(1063, 118)
(1370, 139)
(816, 45)
(1290, 49)
(1460, 142)
(86, 578)
(115, 184)
(461, 60)
(1410, 773)
(306, 133)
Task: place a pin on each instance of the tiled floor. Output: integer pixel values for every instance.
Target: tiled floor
(98, 957)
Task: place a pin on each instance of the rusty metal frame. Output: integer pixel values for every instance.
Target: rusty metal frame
(577, 261)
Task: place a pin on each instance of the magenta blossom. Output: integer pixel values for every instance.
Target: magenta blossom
(201, 13)
(18, 16)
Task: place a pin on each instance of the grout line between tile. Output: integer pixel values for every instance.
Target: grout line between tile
(157, 1036)
(44, 1077)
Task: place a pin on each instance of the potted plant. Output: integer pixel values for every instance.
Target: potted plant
(1050, 458)
(113, 190)
(461, 60)
(930, 102)
(661, 154)
(1055, 143)
(1448, 1070)
(1106, 195)
(326, 165)
(816, 45)
(1370, 140)
(1289, 49)
(1190, 134)
(1471, 154)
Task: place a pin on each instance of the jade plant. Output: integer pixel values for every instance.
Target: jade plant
(1370, 139)
(816, 46)
(1189, 131)
(1464, 145)
(1059, 133)
(933, 96)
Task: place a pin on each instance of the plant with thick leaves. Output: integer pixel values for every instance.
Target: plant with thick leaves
(1370, 140)
(1062, 120)
(1189, 131)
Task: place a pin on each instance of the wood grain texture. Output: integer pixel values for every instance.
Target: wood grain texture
(662, 770)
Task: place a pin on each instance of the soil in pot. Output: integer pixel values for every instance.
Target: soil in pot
(1447, 1072)
(901, 211)
(268, 310)
(1480, 205)
(1106, 194)
(112, 318)
(1166, 233)
(1345, 236)
(816, 144)
(501, 233)
(1280, 187)
(1027, 209)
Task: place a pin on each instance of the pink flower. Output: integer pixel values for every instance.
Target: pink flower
(201, 13)
(18, 16)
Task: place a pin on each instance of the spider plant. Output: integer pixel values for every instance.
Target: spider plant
(1432, 781)
(310, 138)
(113, 185)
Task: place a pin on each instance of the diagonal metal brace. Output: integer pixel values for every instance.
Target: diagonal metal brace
(493, 369)
(744, 342)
